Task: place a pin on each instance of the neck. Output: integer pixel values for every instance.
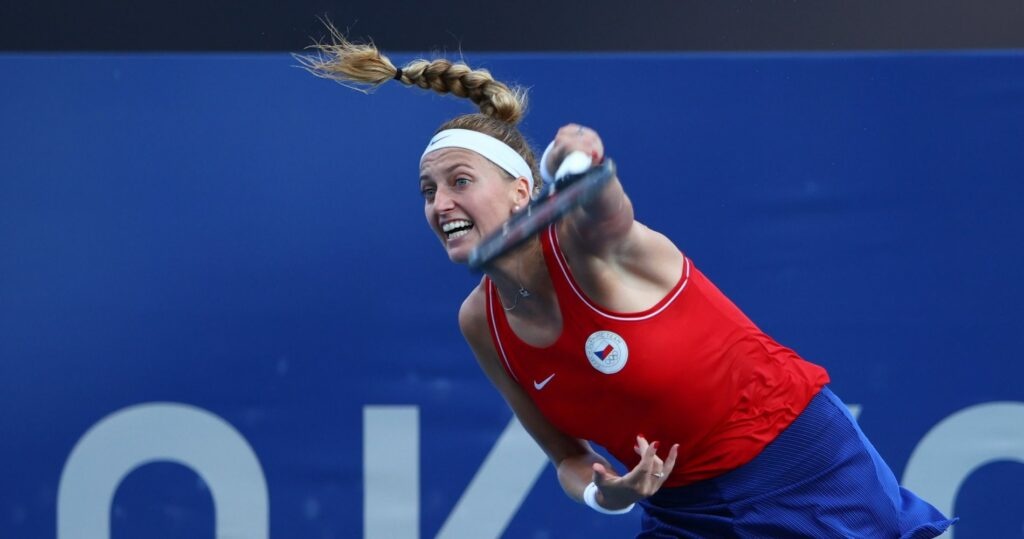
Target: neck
(519, 270)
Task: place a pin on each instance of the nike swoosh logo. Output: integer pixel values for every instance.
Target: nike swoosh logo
(541, 385)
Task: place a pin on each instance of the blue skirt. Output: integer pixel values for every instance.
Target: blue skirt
(820, 478)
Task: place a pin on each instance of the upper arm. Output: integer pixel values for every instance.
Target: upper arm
(473, 323)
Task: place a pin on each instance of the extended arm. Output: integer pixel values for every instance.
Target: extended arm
(573, 458)
(576, 462)
(619, 262)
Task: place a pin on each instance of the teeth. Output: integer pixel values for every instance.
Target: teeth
(457, 228)
(452, 225)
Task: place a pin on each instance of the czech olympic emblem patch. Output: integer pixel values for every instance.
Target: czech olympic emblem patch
(607, 351)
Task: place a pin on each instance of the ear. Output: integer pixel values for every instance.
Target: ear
(521, 194)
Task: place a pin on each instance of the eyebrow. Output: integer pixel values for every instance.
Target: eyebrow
(449, 170)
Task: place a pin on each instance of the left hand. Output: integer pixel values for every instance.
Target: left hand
(615, 492)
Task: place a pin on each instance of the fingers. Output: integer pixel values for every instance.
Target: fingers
(655, 468)
(575, 137)
(670, 460)
(646, 478)
(650, 464)
(641, 445)
(648, 452)
(571, 138)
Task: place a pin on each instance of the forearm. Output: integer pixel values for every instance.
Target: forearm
(607, 219)
(610, 204)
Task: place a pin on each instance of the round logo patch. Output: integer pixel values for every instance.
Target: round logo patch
(607, 351)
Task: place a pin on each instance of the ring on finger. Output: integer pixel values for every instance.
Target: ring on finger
(659, 475)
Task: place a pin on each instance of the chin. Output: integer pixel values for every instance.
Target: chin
(459, 256)
(460, 252)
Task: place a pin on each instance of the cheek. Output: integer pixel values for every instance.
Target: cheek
(428, 214)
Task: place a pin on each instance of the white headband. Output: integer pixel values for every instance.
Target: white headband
(494, 150)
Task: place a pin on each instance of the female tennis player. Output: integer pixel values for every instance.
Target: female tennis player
(599, 329)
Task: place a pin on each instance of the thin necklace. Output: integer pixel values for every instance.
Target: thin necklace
(522, 293)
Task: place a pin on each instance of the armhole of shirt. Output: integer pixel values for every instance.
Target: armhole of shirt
(562, 276)
(494, 318)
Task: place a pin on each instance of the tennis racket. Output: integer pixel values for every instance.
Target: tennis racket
(559, 198)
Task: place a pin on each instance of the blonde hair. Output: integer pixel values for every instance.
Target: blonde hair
(364, 68)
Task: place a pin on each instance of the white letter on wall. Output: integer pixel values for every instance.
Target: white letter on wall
(155, 432)
(961, 443)
(498, 488)
(391, 479)
(391, 472)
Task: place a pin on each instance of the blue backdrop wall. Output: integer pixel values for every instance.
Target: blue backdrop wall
(221, 309)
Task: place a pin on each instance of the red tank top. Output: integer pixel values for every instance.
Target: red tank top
(691, 370)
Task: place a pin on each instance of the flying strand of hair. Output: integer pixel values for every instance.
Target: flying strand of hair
(362, 67)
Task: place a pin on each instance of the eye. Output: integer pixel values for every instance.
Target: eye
(428, 192)
(462, 182)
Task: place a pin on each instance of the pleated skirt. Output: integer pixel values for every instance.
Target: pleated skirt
(820, 478)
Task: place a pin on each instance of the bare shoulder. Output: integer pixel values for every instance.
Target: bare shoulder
(473, 312)
(474, 326)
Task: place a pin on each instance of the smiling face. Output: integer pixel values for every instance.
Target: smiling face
(466, 197)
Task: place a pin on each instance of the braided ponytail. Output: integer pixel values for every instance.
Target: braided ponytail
(363, 68)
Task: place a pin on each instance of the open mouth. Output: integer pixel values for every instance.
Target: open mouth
(456, 229)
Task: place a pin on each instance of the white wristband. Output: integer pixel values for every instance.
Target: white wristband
(590, 498)
(575, 163)
(544, 174)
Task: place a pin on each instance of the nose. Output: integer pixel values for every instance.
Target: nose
(442, 201)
